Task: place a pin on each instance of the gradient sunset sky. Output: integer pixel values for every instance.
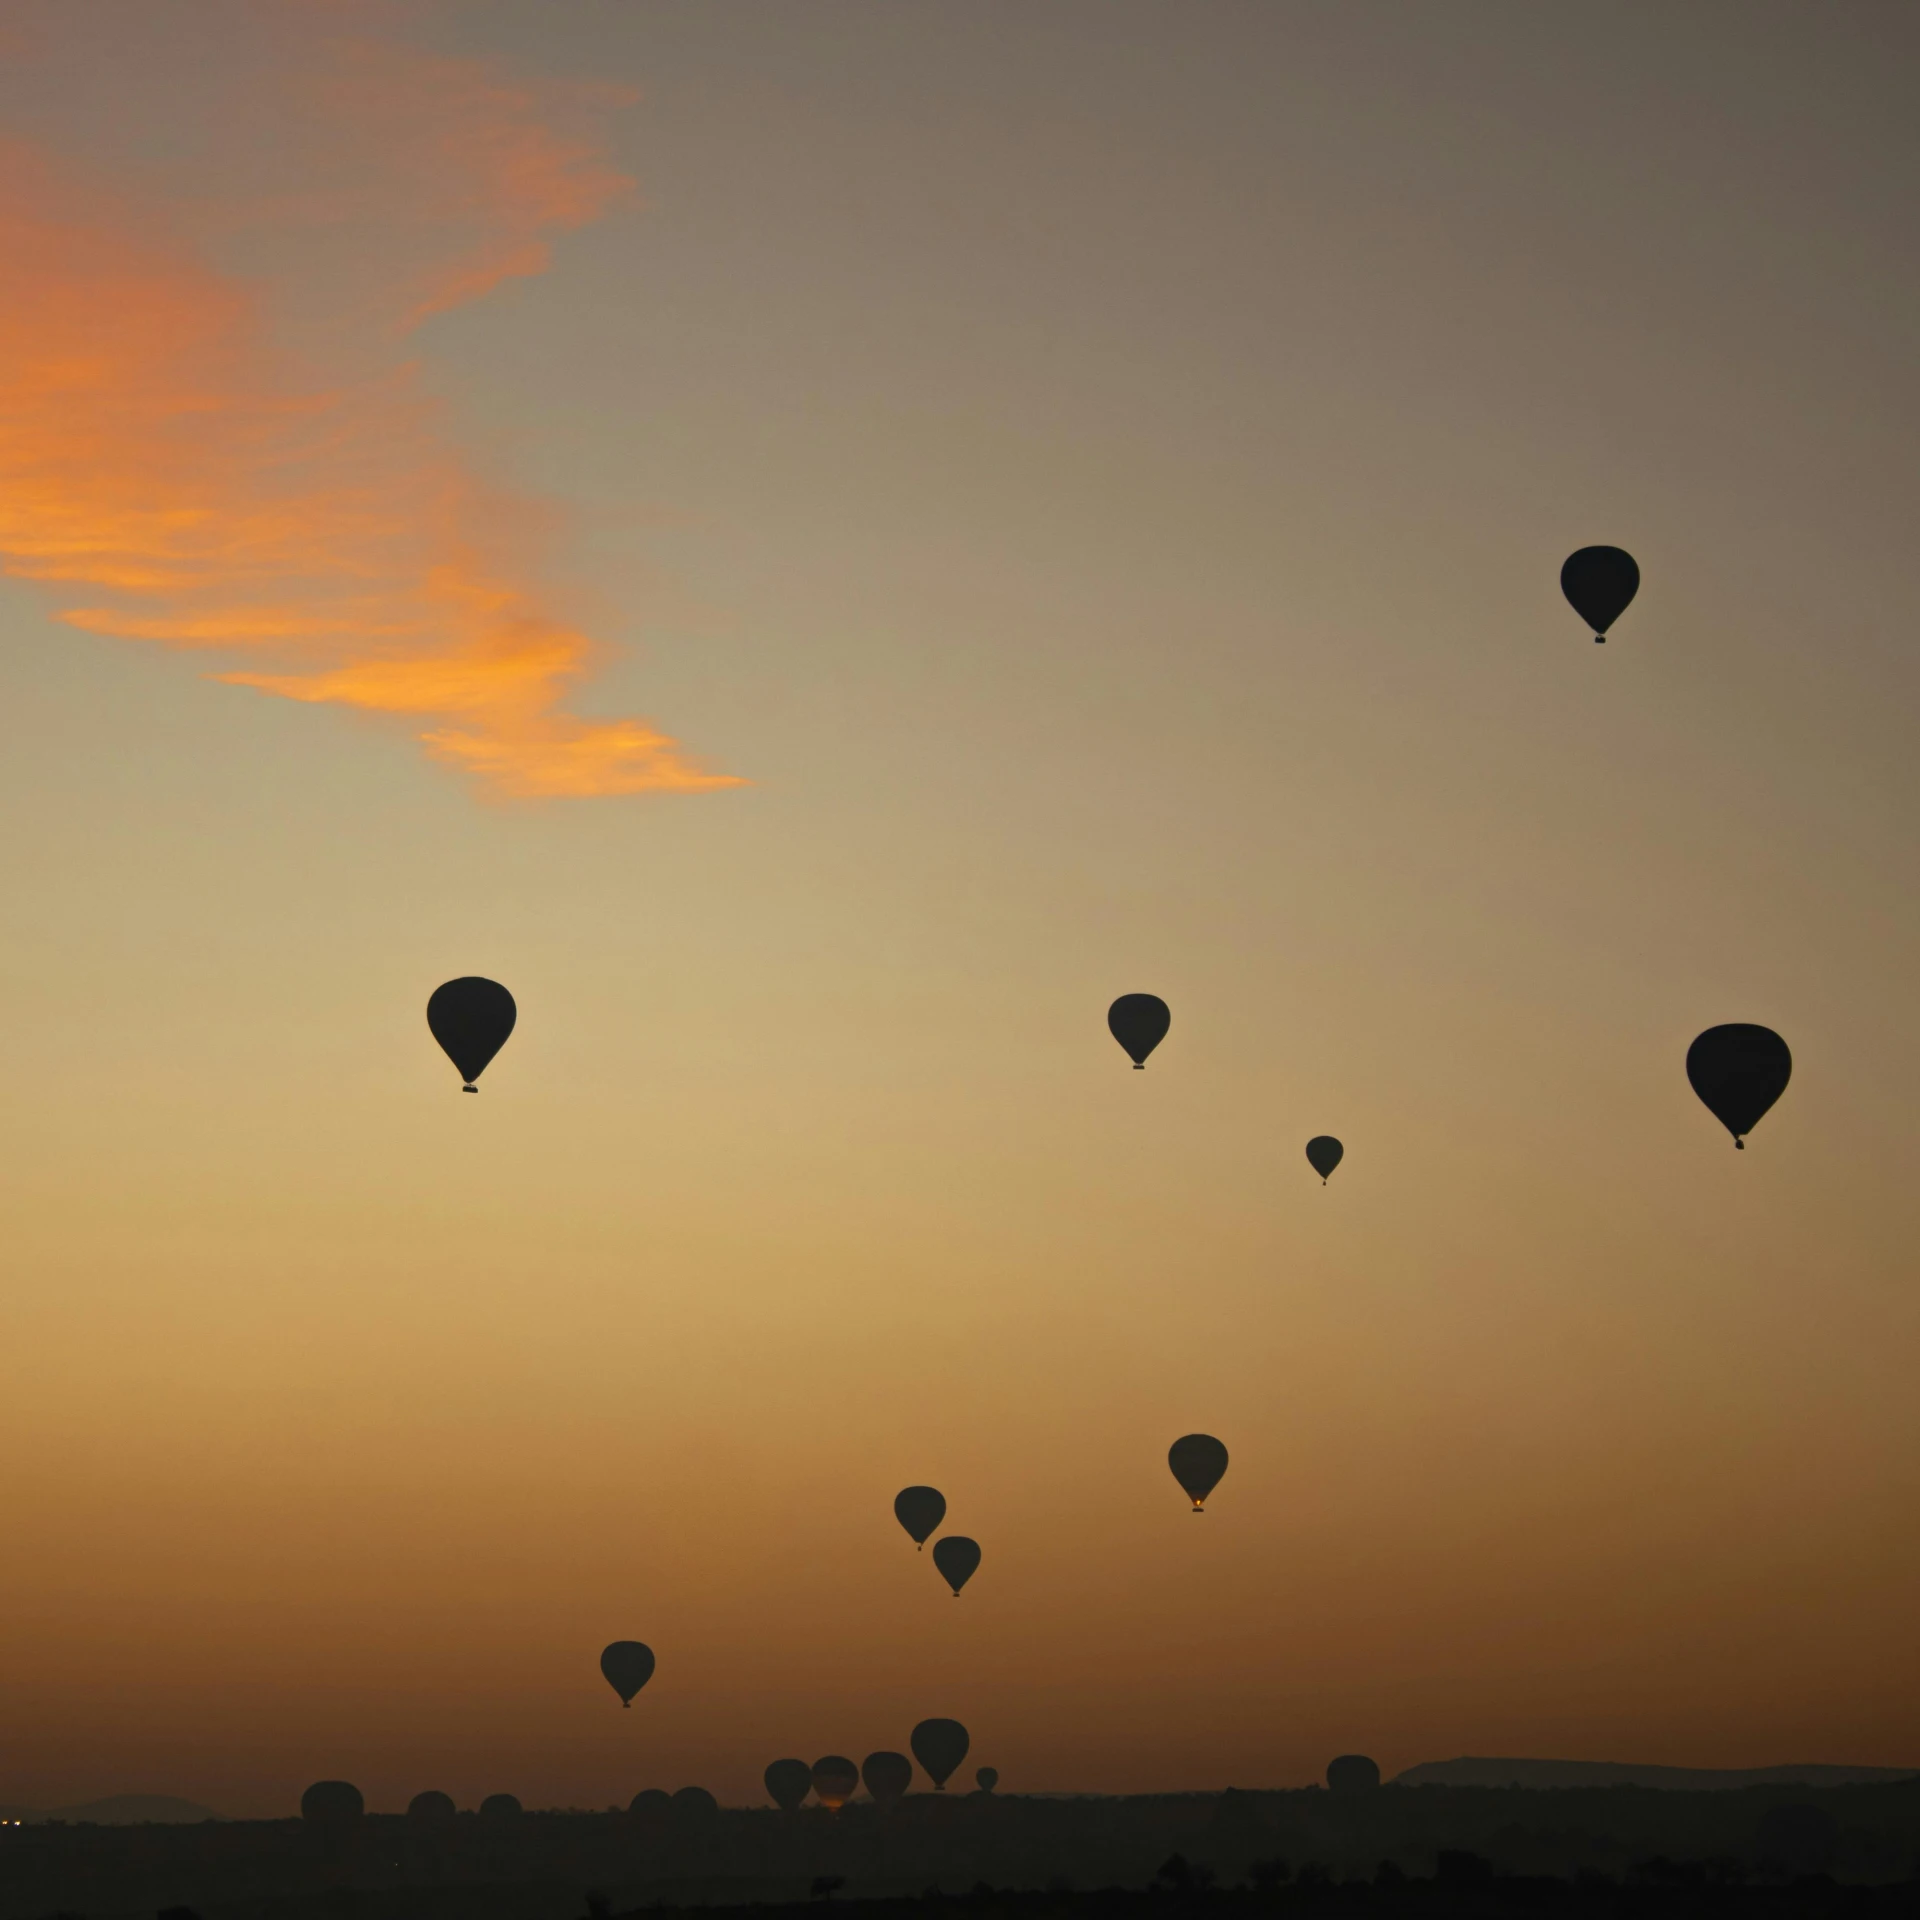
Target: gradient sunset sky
(819, 545)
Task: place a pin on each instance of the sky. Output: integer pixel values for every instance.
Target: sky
(819, 546)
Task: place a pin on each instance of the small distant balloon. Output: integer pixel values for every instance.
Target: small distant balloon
(500, 1806)
(888, 1776)
(332, 1806)
(1352, 1773)
(1739, 1072)
(1139, 1021)
(958, 1559)
(1324, 1153)
(919, 1510)
(693, 1805)
(835, 1781)
(1198, 1461)
(431, 1809)
(471, 1018)
(939, 1746)
(986, 1778)
(628, 1666)
(1600, 583)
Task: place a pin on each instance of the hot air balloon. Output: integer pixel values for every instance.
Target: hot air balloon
(986, 1778)
(332, 1808)
(471, 1019)
(888, 1776)
(835, 1780)
(1600, 583)
(431, 1809)
(1739, 1072)
(1352, 1773)
(628, 1665)
(693, 1806)
(1324, 1153)
(500, 1806)
(651, 1809)
(788, 1783)
(1139, 1021)
(939, 1746)
(958, 1558)
(1198, 1460)
(919, 1510)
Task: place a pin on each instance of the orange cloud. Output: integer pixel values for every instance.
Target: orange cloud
(168, 480)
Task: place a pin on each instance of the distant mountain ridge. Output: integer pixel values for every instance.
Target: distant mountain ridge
(1612, 1773)
(119, 1810)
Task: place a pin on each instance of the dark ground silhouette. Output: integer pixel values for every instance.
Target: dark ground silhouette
(1426, 1850)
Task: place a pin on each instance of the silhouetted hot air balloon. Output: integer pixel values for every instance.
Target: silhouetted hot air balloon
(986, 1778)
(1139, 1021)
(628, 1665)
(1600, 583)
(1352, 1773)
(332, 1808)
(958, 1558)
(939, 1746)
(431, 1809)
(651, 1809)
(500, 1806)
(1324, 1153)
(888, 1776)
(471, 1019)
(919, 1510)
(693, 1806)
(835, 1781)
(1198, 1460)
(788, 1783)
(1739, 1072)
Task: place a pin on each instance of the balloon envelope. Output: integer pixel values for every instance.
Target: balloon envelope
(1600, 583)
(331, 1805)
(986, 1778)
(1198, 1460)
(1352, 1773)
(652, 1807)
(692, 1805)
(500, 1806)
(471, 1019)
(788, 1783)
(430, 1808)
(835, 1781)
(628, 1666)
(888, 1776)
(958, 1558)
(1139, 1021)
(939, 1746)
(1324, 1153)
(919, 1510)
(1739, 1072)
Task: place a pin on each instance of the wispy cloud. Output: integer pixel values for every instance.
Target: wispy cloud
(168, 478)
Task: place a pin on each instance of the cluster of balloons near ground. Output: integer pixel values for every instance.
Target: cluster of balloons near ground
(939, 1746)
(334, 1806)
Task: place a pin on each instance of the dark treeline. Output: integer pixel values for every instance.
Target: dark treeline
(1427, 1849)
